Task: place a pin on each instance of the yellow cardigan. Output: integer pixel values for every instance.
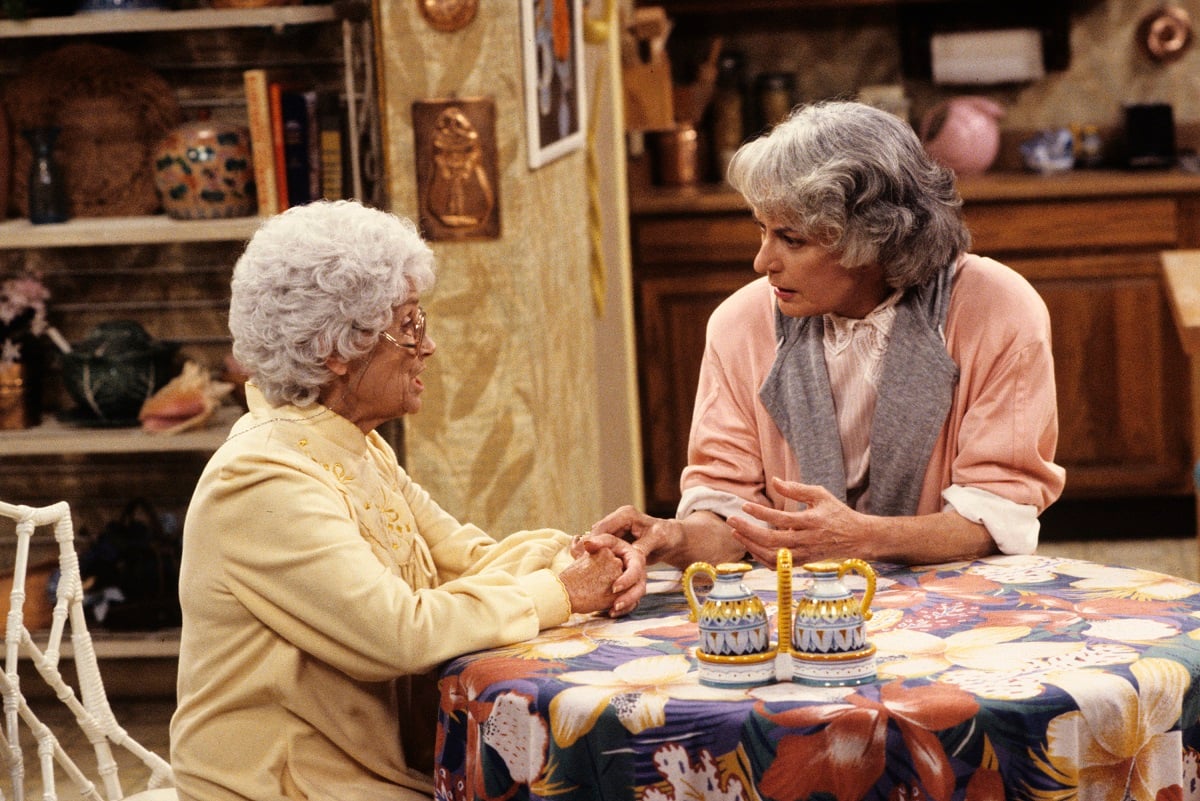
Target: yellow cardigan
(316, 573)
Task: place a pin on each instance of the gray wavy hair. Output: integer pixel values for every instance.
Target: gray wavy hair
(857, 181)
(316, 281)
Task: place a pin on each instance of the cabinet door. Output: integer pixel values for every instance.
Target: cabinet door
(674, 312)
(1119, 368)
(1120, 372)
(685, 265)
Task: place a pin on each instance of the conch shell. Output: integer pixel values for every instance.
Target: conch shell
(186, 401)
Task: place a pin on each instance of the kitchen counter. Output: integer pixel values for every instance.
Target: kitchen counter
(716, 198)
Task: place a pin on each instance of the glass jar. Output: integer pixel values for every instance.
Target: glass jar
(776, 95)
(728, 110)
(47, 192)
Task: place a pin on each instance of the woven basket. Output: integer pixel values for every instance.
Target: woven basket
(112, 109)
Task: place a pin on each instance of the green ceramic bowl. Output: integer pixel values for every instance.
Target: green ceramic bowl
(110, 373)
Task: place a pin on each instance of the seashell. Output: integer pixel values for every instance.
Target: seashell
(185, 402)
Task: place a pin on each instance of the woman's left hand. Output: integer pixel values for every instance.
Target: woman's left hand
(826, 528)
(630, 586)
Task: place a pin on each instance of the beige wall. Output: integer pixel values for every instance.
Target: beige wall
(836, 53)
(510, 433)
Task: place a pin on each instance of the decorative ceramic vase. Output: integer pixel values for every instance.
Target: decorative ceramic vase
(735, 636)
(829, 640)
(963, 133)
(47, 191)
(203, 170)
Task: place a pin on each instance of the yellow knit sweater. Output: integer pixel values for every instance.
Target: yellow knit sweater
(315, 574)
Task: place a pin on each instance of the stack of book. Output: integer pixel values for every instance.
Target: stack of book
(297, 141)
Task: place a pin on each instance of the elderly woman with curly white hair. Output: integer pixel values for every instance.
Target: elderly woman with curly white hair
(316, 574)
(879, 392)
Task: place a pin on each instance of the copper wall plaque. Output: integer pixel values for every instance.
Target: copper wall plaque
(448, 15)
(457, 170)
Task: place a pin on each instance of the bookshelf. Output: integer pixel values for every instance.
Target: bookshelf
(171, 275)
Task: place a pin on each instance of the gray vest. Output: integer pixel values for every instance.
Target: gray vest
(916, 386)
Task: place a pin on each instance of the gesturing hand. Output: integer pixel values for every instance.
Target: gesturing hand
(826, 528)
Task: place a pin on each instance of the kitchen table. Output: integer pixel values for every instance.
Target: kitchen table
(1023, 677)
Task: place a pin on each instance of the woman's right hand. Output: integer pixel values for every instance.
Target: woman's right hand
(589, 581)
(653, 536)
(701, 536)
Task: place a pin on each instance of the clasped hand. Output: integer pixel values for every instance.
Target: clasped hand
(607, 574)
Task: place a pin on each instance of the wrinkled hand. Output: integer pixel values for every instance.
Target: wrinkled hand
(653, 536)
(630, 586)
(589, 581)
(826, 529)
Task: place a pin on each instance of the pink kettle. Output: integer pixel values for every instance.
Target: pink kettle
(963, 133)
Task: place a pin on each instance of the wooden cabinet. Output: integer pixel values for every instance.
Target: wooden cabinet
(1089, 243)
(685, 263)
(742, 6)
(1120, 369)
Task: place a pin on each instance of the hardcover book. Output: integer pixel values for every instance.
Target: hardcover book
(258, 119)
(301, 145)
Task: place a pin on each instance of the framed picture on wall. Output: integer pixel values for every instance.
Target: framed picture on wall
(552, 33)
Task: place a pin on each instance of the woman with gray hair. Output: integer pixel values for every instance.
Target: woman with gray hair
(316, 574)
(879, 392)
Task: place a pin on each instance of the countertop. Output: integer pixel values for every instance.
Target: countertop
(995, 186)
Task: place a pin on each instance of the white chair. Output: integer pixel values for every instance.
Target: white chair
(90, 707)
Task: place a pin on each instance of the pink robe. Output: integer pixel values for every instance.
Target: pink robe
(1001, 432)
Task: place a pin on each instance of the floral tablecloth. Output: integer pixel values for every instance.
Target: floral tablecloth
(1021, 677)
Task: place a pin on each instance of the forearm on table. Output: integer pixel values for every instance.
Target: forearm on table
(699, 537)
(926, 539)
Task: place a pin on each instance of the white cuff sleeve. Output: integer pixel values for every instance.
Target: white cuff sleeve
(1014, 526)
(704, 499)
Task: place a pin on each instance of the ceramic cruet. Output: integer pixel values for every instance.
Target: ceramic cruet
(829, 618)
(732, 619)
(734, 645)
(829, 637)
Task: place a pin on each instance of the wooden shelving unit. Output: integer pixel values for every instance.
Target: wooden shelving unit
(148, 230)
(54, 437)
(101, 22)
(64, 452)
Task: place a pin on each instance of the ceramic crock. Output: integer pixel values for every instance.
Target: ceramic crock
(963, 133)
(829, 641)
(735, 636)
(203, 170)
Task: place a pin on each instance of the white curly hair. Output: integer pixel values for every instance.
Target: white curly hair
(316, 281)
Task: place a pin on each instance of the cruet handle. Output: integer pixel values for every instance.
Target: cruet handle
(866, 571)
(784, 604)
(689, 592)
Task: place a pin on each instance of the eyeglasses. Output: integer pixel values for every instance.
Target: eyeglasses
(414, 328)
